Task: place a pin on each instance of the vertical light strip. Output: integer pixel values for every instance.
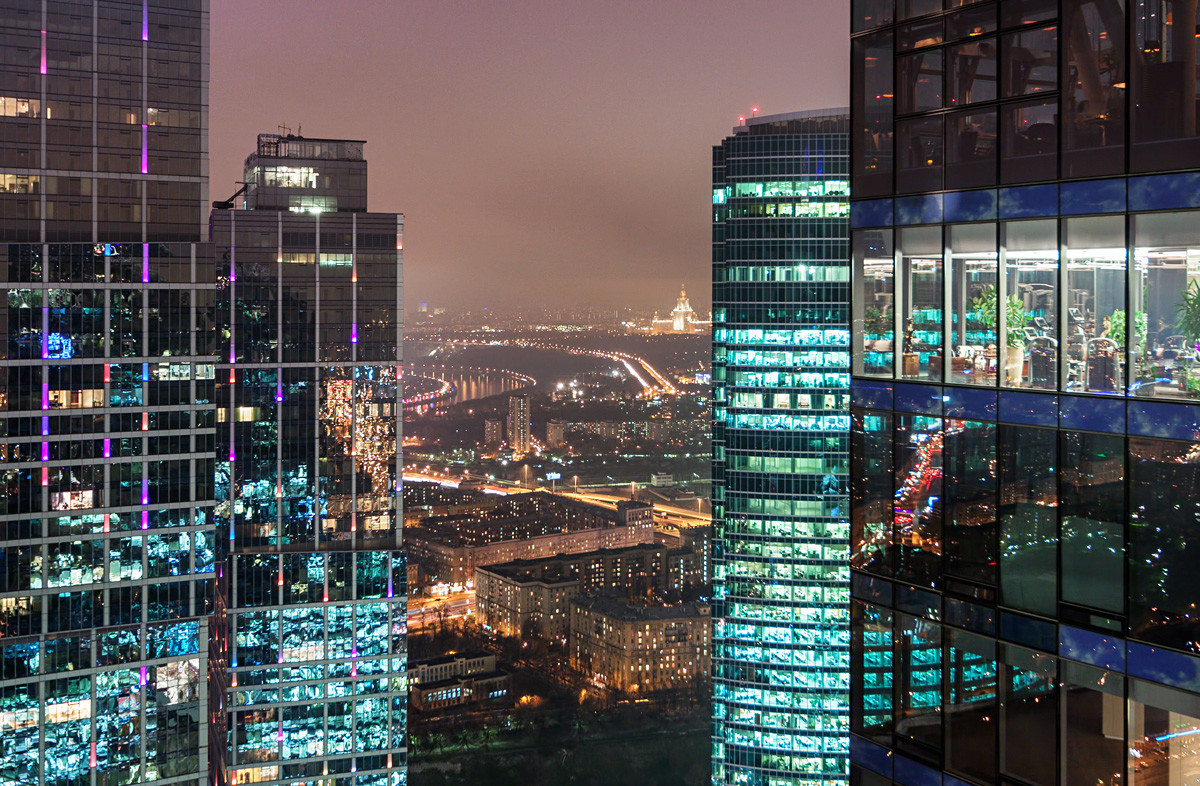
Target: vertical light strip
(43, 68)
(145, 151)
(145, 246)
(145, 20)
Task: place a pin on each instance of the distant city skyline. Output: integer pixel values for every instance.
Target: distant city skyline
(518, 137)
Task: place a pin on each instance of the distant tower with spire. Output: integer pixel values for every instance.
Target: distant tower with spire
(683, 315)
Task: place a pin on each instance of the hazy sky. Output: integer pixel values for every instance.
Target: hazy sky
(551, 152)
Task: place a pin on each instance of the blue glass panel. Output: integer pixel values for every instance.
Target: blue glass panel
(1159, 419)
(877, 395)
(1092, 414)
(910, 773)
(1164, 666)
(1093, 648)
(875, 758)
(919, 602)
(923, 209)
(871, 213)
(969, 403)
(1031, 632)
(1030, 409)
(1164, 192)
(1092, 196)
(971, 616)
(1029, 201)
(923, 399)
(970, 205)
(871, 589)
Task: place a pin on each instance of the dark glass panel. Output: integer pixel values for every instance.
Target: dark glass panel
(1093, 102)
(1024, 12)
(1029, 137)
(866, 14)
(910, 8)
(918, 688)
(1092, 500)
(1164, 542)
(1030, 62)
(1029, 715)
(872, 491)
(920, 154)
(919, 82)
(871, 109)
(971, 487)
(919, 35)
(1028, 519)
(971, 72)
(1093, 725)
(971, 149)
(918, 499)
(1164, 72)
(871, 664)
(972, 716)
(971, 22)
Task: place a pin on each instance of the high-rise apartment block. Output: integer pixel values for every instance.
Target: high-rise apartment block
(309, 293)
(106, 393)
(1026, 464)
(518, 423)
(781, 379)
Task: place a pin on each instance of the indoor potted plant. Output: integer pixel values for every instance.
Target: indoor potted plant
(1014, 323)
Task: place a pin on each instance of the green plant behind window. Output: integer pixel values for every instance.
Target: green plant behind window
(1015, 316)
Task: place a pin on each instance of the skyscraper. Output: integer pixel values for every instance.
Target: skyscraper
(308, 440)
(1026, 470)
(781, 378)
(106, 384)
(518, 423)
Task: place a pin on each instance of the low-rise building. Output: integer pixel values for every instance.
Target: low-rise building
(638, 646)
(452, 680)
(532, 597)
(523, 526)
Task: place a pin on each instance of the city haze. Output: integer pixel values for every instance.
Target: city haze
(545, 153)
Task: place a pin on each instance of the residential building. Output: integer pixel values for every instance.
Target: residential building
(533, 596)
(308, 439)
(639, 646)
(1026, 469)
(518, 423)
(107, 548)
(556, 434)
(523, 526)
(781, 379)
(493, 432)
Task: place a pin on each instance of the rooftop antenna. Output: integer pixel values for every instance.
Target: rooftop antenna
(299, 130)
(284, 130)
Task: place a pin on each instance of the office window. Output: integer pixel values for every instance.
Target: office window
(1164, 735)
(918, 688)
(971, 72)
(871, 664)
(1029, 138)
(971, 488)
(972, 706)
(919, 153)
(1165, 302)
(872, 492)
(1029, 707)
(1030, 60)
(1093, 725)
(918, 499)
(973, 308)
(971, 149)
(1096, 323)
(1029, 309)
(874, 316)
(919, 82)
(921, 293)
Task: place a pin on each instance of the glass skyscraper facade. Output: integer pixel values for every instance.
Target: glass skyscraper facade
(1025, 475)
(308, 425)
(107, 418)
(781, 378)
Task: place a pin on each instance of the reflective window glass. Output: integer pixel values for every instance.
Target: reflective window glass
(1029, 707)
(910, 8)
(971, 149)
(971, 486)
(871, 667)
(920, 154)
(972, 707)
(971, 22)
(1094, 87)
(1164, 736)
(1164, 73)
(871, 105)
(1029, 141)
(918, 688)
(1030, 62)
(866, 14)
(872, 492)
(1028, 519)
(1093, 725)
(919, 82)
(971, 73)
(918, 499)
(1092, 507)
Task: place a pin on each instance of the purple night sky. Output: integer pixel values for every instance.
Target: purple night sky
(544, 153)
